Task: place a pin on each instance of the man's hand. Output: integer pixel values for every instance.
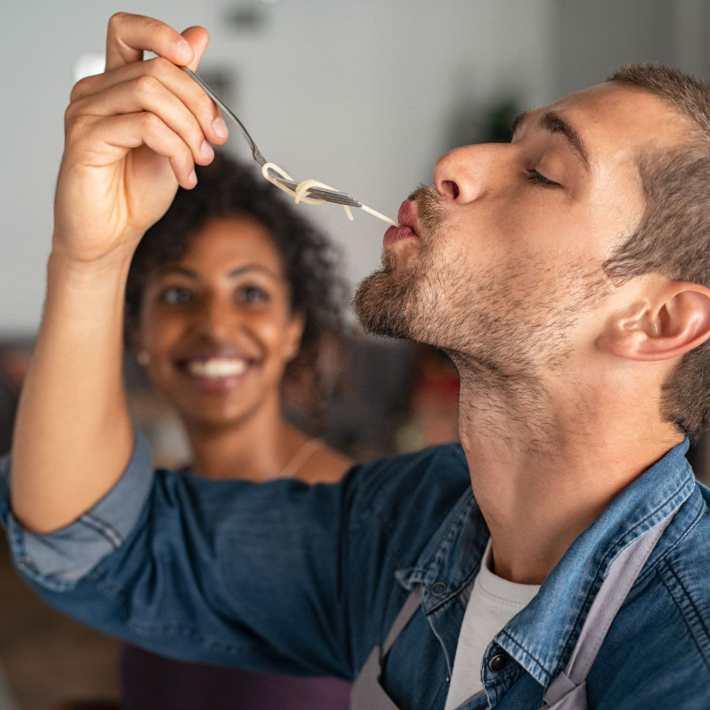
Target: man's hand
(132, 135)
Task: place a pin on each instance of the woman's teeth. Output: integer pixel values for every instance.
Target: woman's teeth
(217, 367)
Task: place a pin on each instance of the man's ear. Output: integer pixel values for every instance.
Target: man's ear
(665, 327)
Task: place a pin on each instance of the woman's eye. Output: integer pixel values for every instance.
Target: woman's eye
(175, 295)
(537, 178)
(251, 294)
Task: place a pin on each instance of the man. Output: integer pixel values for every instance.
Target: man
(559, 557)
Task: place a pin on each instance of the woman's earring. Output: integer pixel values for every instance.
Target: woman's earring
(143, 357)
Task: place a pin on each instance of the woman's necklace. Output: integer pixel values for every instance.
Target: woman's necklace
(303, 453)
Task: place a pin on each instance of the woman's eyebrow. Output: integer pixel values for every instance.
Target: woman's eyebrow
(253, 267)
(173, 269)
(189, 273)
(554, 123)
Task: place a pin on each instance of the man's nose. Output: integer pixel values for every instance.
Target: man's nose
(465, 174)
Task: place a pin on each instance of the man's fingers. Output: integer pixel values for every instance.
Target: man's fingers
(173, 78)
(198, 39)
(147, 93)
(153, 104)
(128, 36)
(123, 133)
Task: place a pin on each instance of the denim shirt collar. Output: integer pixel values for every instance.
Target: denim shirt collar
(542, 636)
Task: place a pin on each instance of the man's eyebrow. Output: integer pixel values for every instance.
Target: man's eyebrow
(554, 123)
(518, 121)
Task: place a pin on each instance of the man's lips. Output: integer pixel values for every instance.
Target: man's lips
(407, 227)
(407, 216)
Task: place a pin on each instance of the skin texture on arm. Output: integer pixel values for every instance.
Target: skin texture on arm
(132, 135)
(73, 435)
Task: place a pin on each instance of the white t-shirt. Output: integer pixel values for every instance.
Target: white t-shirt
(493, 603)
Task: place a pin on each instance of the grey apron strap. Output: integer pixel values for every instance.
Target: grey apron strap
(568, 690)
(367, 693)
(406, 613)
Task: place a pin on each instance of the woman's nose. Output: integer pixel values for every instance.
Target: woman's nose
(216, 318)
(464, 174)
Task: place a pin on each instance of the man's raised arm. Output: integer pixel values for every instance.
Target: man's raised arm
(132, 135)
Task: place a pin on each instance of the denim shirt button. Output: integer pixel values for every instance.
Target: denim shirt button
(439, 588)
(498, 662)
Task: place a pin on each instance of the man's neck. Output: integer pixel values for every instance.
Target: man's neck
(542, 471)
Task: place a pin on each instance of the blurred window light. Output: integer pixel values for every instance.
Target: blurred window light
(88, 65)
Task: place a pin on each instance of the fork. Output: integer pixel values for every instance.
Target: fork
(335, 196)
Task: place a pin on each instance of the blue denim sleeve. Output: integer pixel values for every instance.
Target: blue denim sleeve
(224, 572)
(59, 559)
(279, 576)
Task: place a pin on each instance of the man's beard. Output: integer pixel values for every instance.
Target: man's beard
(508, 320)
(387, 302)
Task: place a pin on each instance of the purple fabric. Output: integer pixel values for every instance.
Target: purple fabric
(151, 682)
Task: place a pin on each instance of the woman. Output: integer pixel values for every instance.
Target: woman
(228, 297)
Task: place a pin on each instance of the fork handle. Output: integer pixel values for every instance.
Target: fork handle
(256, 153)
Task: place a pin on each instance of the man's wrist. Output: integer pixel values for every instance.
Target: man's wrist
(86, 294)
(116, 262)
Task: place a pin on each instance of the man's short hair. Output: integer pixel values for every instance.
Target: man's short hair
(673, 237)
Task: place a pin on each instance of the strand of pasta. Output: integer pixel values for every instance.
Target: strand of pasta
(300, 193)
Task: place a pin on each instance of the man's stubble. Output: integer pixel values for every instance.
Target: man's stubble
(508, 319)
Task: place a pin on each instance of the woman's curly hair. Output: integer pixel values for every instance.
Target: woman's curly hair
(311, 262)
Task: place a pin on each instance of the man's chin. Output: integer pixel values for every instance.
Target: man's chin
(383, 303)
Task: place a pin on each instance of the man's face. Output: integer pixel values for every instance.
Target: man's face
(505, 265)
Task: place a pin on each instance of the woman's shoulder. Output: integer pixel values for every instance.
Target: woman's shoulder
(326, 465)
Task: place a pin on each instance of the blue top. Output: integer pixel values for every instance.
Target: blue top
(291, 578)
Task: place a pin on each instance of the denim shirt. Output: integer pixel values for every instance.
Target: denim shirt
(293, 578)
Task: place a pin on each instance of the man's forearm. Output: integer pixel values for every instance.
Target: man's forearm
(73, 433)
